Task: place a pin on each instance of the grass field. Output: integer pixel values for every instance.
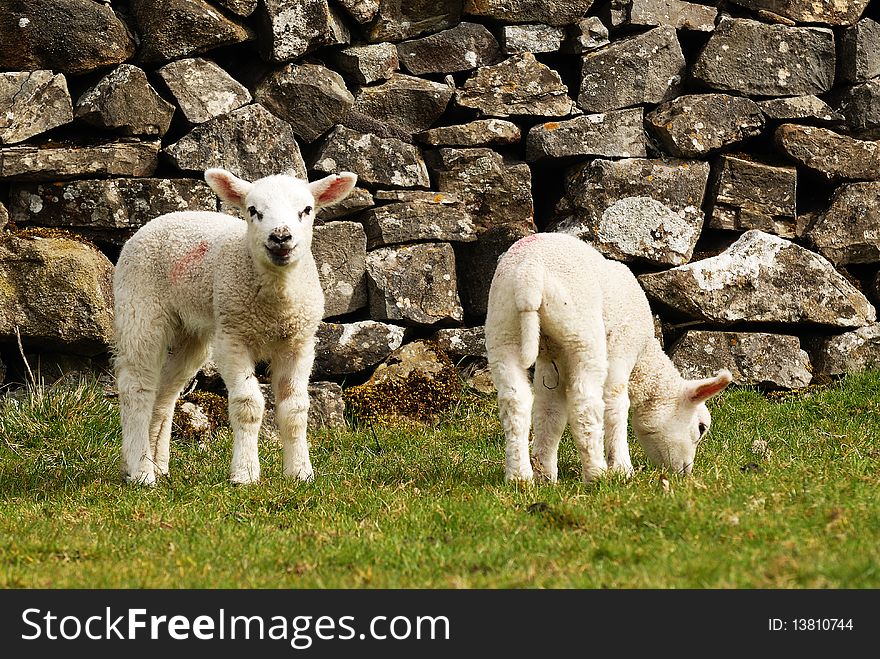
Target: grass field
(428, 507)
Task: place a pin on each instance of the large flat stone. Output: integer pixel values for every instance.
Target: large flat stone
(761, 278)
(615, 134)
(32, 102)
(57, 161)
(340, 251)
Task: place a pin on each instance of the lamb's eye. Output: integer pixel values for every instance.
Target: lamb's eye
(306, 211)
(702, 428)
(255, 213)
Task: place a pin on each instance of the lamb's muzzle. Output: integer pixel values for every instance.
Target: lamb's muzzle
(187, 282)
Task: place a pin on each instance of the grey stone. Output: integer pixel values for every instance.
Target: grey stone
(57, 292)
(181, 28)
(412, 103)
(800, 107)
(357, 200)
(414, 284)
(753, 195)
(495, 191)
(761, 278)
(89, 37)
(124, 101)
(476, 264)
(534, 38)
(677, 13)
(440, 220)
(585, 35)
(615, 134)
(461, 48)
(850, 352)
(849, 230)
(348, 348)
(363, 11)
(859, 54)
(859, 104)
(4, 220)
(755, 58)
(291, 28)
(387, 129)
(460, 342)
(250, 142)
(636, 209)
(32, 102)
(520, 85)
(695, 125)
(416, 196)
(550, 12)
(56, 161)
(365, 64)
(202, 89)
(828, 12)
(310, 97)
(106, 209)
(830, 154)
(481, 132)
(647, 68)
(340, 251)
(375, 160)
(326, 406)
(397, 20)
(243, 8)
(769, 361)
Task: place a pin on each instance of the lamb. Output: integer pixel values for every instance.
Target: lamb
(585, 324)
(187, 281)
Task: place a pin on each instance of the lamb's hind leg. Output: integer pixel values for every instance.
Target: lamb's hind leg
(514, 408)
(616, 416)
(186, 357)
(140, 348)
(246, 406)
(549, 417)
(290, 382)
(586, 378)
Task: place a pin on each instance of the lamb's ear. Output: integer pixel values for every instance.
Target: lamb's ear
(227, 186)
(333, 189)
(699, 391)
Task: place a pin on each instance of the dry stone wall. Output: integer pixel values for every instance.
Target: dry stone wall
(728, 152)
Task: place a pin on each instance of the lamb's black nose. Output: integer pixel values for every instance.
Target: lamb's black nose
(280, 237)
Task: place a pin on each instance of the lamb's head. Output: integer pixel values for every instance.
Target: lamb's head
(280, 210)
(670, 425)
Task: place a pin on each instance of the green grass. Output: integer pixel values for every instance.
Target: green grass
(428, 507)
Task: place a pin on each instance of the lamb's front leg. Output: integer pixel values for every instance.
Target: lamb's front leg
(291, 369)
(616, 416)
(246, 406)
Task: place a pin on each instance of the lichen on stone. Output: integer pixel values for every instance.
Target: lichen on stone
(214, 408)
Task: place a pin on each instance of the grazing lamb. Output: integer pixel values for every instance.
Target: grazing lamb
(585, 323)
(189, 280)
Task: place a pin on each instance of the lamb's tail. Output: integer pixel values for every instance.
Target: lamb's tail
(528, 297)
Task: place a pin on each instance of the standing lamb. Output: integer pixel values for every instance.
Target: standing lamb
(585, 323)
(189, 280)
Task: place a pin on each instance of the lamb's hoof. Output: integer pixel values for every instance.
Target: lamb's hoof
(520, 475)
(542, 471)
(594, 474)
(624, 469)
(141, 478)
(306, 475)
(244, 477)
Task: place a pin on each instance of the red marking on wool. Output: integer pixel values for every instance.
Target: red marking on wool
(188, 260)
(523, 242)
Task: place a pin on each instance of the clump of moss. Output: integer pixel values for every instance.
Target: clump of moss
(390, 398)
(45, 232)
(214, 408)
